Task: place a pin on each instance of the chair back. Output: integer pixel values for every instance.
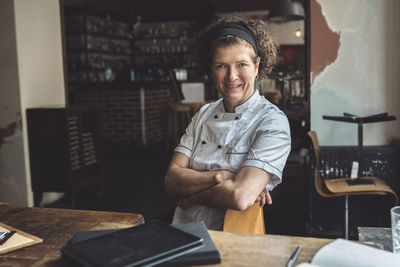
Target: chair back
(250, 221)
(319, 183)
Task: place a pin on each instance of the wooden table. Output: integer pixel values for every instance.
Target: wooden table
(264, 250)
(56, 227)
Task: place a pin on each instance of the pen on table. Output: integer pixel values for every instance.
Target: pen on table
(294, 257)
(4, 236)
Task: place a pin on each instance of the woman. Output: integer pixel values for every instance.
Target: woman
(234, 150)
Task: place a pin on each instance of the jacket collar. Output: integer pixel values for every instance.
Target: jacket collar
(248, 103)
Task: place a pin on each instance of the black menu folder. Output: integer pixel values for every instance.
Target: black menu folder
(144, 245)
(208, 254)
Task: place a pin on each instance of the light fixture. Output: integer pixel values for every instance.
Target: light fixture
(298, 33)
(286, 10)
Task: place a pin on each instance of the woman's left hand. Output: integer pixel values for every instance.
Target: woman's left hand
(264, 198)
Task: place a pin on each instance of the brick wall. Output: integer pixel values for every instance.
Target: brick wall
(157, 115)
(120, 115)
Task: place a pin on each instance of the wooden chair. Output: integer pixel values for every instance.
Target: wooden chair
(341, 187)
(250, 221)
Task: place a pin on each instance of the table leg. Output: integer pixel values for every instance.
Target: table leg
(37, 198)
(346, 217)
(360, 147)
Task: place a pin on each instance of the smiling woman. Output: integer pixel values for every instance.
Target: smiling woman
(235, 149)
(234, 73)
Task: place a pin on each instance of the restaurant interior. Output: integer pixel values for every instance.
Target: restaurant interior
(95, 95)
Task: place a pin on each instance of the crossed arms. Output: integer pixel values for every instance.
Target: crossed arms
(221, 189)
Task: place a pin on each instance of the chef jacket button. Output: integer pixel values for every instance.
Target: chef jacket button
(203, 142)
(219, 146)
(236, 118)
(216, 116)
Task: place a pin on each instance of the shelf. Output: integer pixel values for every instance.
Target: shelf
(179, 54)
(93, 51)
(142, 53)
(100, 34)
(116, 85)
(132, 85)
(83, 69)
(188, 39)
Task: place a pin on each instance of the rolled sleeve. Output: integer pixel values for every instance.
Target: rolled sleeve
(271, 147)
(186, 144)
(184, 150)
(276, 173)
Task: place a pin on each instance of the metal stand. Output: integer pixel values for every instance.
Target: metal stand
(360, 149)
(346, 217)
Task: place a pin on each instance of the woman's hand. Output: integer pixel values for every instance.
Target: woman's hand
(220, 176)
(223, 175)
(264, 198)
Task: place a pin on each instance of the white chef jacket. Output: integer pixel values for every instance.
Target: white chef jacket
(257, 134)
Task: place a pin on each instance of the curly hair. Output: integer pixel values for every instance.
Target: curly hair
(266, 45)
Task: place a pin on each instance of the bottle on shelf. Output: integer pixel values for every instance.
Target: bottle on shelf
(108, 74)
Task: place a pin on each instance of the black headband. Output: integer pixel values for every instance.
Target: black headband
(235, 29)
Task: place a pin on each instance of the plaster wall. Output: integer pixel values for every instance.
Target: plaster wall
(12, 167)
(31, 77)
(363, 77)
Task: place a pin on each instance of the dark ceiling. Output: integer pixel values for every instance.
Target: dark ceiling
(158, 10)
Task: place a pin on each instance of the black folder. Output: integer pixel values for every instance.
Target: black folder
(144, 245)
(208, 254)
